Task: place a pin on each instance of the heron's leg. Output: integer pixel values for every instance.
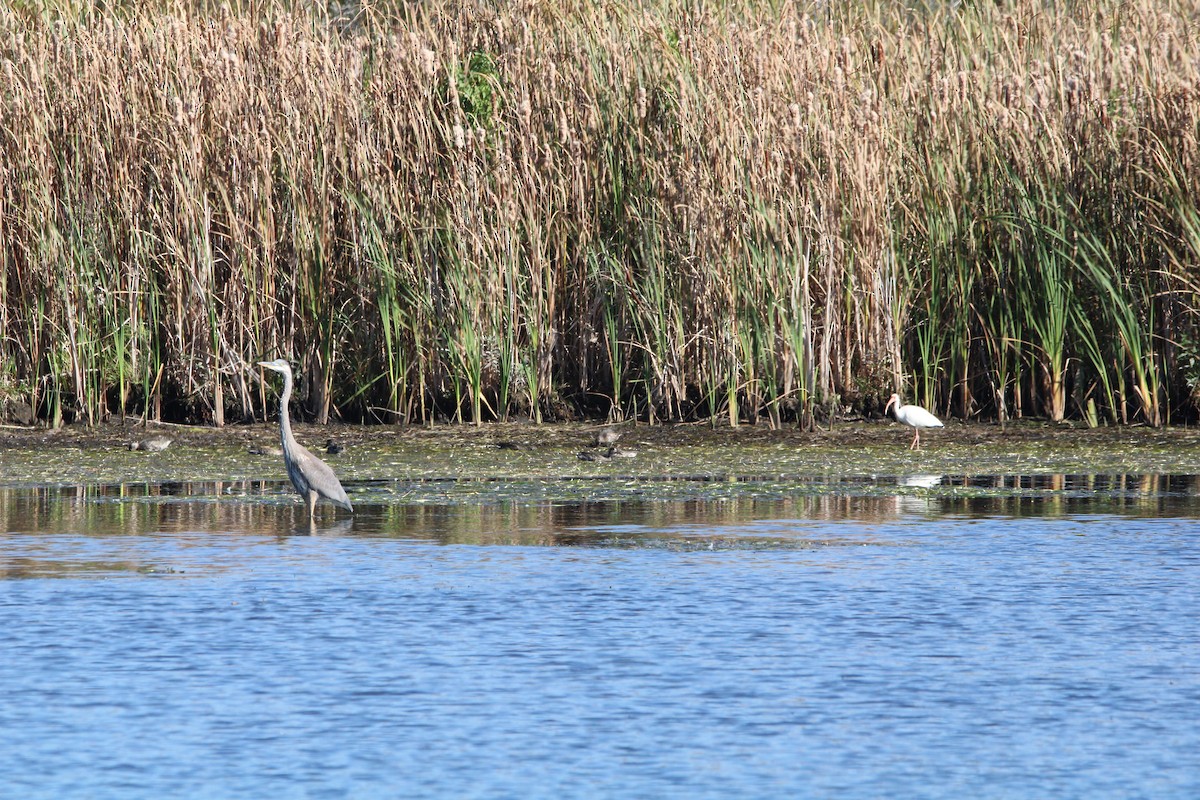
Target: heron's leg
(311, 500)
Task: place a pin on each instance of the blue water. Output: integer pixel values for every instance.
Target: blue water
(893, 646)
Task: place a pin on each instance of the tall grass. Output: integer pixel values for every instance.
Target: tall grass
(662, 210)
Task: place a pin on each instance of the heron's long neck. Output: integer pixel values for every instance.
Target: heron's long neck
(285, 423)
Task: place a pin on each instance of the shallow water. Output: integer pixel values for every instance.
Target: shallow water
(924, 636)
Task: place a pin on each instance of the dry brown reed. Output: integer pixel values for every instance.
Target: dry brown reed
(662, 209)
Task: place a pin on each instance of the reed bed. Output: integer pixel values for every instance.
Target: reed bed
(668, 210)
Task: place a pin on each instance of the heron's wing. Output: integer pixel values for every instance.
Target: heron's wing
(320, 477)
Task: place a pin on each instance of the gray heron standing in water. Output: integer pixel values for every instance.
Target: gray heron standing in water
(311, 476)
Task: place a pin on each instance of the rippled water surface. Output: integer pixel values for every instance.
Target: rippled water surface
(903, 637)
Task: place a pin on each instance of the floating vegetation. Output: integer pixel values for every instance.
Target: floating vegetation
(454, 465)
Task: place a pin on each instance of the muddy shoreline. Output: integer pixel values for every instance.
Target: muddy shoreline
(100, 454)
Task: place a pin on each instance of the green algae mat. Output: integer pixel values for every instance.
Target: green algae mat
(652, 457)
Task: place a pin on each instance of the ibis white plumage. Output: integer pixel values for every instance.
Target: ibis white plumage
(914, 417)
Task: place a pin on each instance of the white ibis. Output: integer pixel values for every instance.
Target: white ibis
(913, 416)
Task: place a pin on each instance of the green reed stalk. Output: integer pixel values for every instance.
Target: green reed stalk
(604, 274)
(1001, 330)
(1130, 309)
(534, 320)
(1095, 356)
(929, 336)
(1044, 289)
(390, 307)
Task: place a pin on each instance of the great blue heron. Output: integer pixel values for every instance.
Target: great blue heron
(913, 416)
(311, 476)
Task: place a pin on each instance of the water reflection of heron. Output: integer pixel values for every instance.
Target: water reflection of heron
(339, 527)
(311, 476)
